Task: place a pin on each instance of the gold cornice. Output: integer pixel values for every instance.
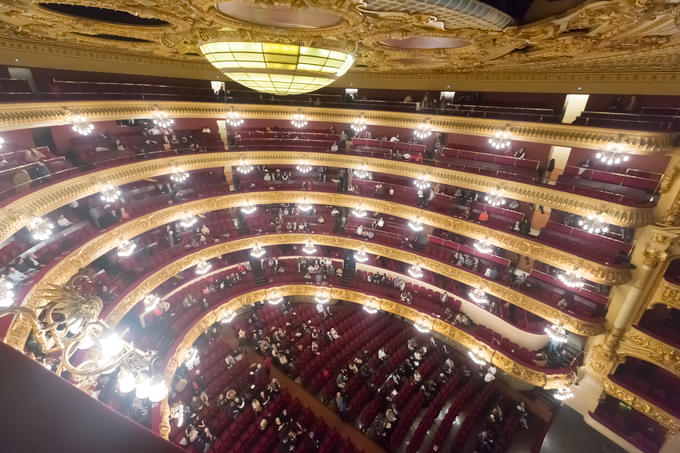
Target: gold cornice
(638, 344)
(535, 306)
(40, 114)
(639, 403)
(61, 272)
(505, 363)
(40, 202)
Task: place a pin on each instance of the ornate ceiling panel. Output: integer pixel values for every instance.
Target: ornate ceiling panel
(638, 36)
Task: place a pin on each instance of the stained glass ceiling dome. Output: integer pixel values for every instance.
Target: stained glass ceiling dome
(277, 68)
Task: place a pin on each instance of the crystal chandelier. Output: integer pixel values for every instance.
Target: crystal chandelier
(422, 183)
(563, 394)
(475, 356)
(305, 206)
(6, 293)
(69, 322)
(244, 167)
(594, 223)
(371, 306)
(203, 267)
(484, 246)
(187, 220)
(415, 271)
(228, 317)
(277, 68)
(40, 228)
(151, 302)
(415, 225)
(299, 120)
(571, 278)
(234, 118)
(304, 167)
(423, 130)
(361, 256)
(613, 154)
(81, 125)
(359, 212)
(478, 296)
(500, 140)
(362, 172)
(2, 142)
(556, 333)
(110, 193)
(192, 358)
(274, 299)
(248, 208)
(359, 124)
(162, 119)
(423, 325)
(309, 247)
(258, 251)
(179, 175)
(494, 198)
(322, 297)
(126, 248)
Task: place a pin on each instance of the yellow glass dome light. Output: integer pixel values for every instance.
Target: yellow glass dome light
(277, 68)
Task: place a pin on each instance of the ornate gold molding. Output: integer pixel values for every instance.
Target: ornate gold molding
(40, 114)
(507, 364)
(640, 345)
(16, 215)
(639, 403)
(666, 293)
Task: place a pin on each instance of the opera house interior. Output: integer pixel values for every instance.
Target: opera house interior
(340, 226)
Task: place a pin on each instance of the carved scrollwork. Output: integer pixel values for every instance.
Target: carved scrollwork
(638, 344)
(639, 403)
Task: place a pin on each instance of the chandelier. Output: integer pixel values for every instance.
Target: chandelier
(571, 278)
(192, 358)
(234, 118)
(40, 228)
(359, 124)
(187, 220)
(359, 212)
(179, 175)
(422, 183)
(203, 267)
(126, 248)
(478, 296)
(613, 154)
(305, 206)
(361, 256)
(151, 302)
(162, 119)
(81, 125)
(362, 172)
(299, 120)
(494, 198)
(69, 322)
(322, 297)
(594, 224)
(484, 246)
(6, 293)
(258, 251)
(423, 130)
(563, 394)
(277, 68)
(244, 167)
(556, 333)
(475, 356)
(248, 208)
(371, 306)
(275, 299)
(110, 193)
(228, 317)
(415, 225)
(309, 247)
(500, 140)
(423, 325)
(304, 167)
(415, 271)
(2, 142)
